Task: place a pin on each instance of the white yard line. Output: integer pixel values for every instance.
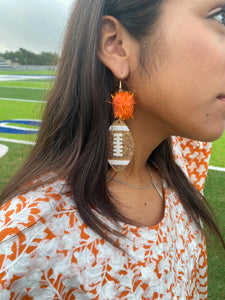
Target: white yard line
(16, 141)
(21, 100)
(216, 169)
(3, 150)
(24, 77)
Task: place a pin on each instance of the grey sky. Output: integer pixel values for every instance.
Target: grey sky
(35, 25)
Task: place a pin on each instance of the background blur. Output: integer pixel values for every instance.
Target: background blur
(35, 25)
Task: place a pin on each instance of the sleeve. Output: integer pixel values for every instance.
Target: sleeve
(24, 239)
(16, 216)
(193, 157)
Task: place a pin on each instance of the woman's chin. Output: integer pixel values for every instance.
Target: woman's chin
(211, 136)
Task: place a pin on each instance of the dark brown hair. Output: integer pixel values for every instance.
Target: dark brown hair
(72, 141)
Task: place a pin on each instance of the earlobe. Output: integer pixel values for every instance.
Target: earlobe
(111, 51)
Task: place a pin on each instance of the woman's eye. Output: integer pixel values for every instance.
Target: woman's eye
(219, 16)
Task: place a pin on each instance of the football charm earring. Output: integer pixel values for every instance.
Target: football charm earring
(121, 143)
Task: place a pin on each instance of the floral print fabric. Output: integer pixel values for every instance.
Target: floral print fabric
(47, 252)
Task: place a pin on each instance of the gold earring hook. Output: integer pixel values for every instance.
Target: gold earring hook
(120, 86)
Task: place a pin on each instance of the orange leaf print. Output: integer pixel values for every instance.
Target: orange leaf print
(72, 220)
(26, 297)
(8, 216)
(8, 232)
(50, 273)
(49, 234)
(83, 235)
(155, 296)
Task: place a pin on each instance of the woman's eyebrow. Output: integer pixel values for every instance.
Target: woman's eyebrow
(216, 2)
(222, 2)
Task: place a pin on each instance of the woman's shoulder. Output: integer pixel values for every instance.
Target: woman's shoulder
(39, 232)
(39, 204)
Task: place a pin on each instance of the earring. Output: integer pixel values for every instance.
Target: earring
(121, 143)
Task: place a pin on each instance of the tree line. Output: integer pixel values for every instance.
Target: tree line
(26, 57)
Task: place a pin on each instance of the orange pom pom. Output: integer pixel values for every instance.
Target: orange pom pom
(123, 105)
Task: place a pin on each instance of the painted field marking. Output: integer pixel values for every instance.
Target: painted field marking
(24, 77)
(21, 100)
(16, 141)
(7, 126)
(216, 169)
(3, 150)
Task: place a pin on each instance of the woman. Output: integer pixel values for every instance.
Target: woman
(80, 226)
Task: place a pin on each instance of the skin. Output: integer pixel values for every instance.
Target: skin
(179, 97)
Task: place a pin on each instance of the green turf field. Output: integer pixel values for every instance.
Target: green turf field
(31, 108)
(32, 84)
(22, 93)
(36, 91)
(27, 72)
(218, 155)
(215, 194)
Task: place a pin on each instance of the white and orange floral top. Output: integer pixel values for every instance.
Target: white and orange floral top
(47, 252)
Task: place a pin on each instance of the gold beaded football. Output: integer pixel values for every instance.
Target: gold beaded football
(121, 146)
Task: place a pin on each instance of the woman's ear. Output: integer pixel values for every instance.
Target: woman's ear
(113, 49)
